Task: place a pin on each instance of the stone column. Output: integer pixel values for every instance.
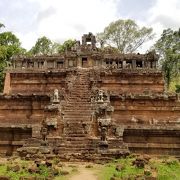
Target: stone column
(133, 64)
(124, 64)
(35, 64)
(143, 64)
(79, 62)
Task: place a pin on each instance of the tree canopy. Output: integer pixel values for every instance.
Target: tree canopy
(126, 35)
(9, 46)
(67, 45)
(42, 46)
(168, 47)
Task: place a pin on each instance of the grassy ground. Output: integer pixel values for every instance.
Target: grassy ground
(9, 169)
(160, 168)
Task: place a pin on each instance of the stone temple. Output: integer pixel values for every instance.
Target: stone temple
(88, 103)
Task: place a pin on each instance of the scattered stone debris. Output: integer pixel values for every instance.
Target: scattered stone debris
(119, 167)
(140, 162)
(89, 166)
(64, 172)
(4, 178)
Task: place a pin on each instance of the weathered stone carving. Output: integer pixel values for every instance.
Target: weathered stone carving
(55, 98)
(51, 121)
(44, 133)
(103, 113)
(103, 131)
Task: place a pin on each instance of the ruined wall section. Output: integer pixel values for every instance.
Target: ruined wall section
(17, 110)
(34, 82)
(133, 81)
(146, 109)
(21, 118)
(146, 119)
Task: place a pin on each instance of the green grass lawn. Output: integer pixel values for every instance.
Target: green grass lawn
(43, 171)
(162, 168)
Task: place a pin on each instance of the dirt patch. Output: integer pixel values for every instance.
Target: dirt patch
(84, 173)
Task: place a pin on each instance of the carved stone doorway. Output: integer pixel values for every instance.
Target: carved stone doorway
(84, 62)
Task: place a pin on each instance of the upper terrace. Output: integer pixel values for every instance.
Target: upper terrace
(87, 55)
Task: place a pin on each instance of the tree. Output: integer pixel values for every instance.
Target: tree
(126, 35)
(177, 88)
(12, 44)
(43, 46)
(168, 48)
(55, 48)
(9, 46)
(67, 45)
(1, 25)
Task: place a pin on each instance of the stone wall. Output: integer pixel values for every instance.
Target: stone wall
(34, 82)
(133, 82)
(19, 115)
(140, 114)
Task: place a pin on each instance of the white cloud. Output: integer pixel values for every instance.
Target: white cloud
(165, 14)
(65, 19)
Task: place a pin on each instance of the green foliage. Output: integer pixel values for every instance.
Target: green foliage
(12, 45)
(129, 170)
(109, 49)
(126, 35)
(67, 45)
(9, 46)
(178, 88)
(165, 169)
(43, 46)
(168, 47)
(1, 25)
(43, 172)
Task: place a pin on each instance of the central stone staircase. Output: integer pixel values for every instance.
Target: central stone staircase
(77, 116)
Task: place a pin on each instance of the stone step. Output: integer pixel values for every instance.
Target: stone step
(79, 95)
(78, 110)
(76, 135)
(77, 120)
(76, 139)
(75, 108)
(72, 140)
(77, 113)
(71, 132)
(74, 115)
(80, 92)
(77, 105)
(78, 99)
(70, 149)
(71, 104)
(81, 145)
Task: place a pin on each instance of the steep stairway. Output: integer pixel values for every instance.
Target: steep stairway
(77, 116)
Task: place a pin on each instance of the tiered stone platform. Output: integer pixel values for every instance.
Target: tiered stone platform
(88, 104)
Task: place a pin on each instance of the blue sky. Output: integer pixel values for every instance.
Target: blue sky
(63, 19)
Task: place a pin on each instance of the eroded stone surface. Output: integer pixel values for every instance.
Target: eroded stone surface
(87, 104)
